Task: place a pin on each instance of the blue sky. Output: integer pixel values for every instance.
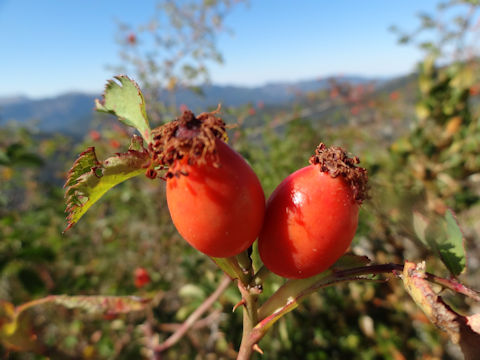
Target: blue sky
(49, 47)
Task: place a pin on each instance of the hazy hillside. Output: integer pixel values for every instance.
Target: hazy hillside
(72, 113)
(69, 113)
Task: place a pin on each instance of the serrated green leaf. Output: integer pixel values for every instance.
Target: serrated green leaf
(84, 163)
(452, 249)
(124, 99)
(89, 179)
(444, 238)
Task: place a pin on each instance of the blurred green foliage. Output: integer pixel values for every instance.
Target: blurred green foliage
(130, 228)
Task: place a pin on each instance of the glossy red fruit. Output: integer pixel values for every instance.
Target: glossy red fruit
(216, 201)
(218, 210)
(311, 217)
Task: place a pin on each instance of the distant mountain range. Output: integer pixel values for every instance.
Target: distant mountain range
(72, 113)
(68, 113)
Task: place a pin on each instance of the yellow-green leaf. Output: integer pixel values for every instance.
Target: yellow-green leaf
(124, 99)
(443, 236)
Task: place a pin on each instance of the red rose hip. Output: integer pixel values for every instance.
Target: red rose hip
(312, 216)
(215, 199)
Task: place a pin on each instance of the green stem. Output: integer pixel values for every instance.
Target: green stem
(241, 276)
(245, 262)
(250, 319)
(249, 290)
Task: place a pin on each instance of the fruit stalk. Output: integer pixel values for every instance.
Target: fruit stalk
(250, 319)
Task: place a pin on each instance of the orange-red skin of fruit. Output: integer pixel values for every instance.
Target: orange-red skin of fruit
(310, 221)
(218, 210)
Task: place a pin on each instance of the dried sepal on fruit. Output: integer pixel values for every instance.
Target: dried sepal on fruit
(188, 137)
(336, 162)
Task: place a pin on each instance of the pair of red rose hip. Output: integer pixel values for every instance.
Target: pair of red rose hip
(217, 203)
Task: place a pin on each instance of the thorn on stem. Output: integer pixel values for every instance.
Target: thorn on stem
(257, 349)
(241, 302)
(257, 289)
